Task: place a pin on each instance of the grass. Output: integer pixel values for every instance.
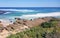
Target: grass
(40, 31)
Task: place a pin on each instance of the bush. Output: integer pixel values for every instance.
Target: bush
(46, 25)
(38, 31)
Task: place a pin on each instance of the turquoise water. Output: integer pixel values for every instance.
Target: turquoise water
(29, 12)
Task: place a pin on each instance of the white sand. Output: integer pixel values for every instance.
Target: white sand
(5, 22)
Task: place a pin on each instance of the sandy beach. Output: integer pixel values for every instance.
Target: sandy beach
(5, 22)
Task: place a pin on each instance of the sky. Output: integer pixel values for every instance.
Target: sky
(29, 3)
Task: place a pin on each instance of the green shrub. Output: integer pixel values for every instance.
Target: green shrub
(37, 32)
(46, 25)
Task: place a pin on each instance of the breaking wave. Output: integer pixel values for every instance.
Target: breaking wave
(32, 16)
(53, 14)
(29, 15)
(7, 12)
(19, 10)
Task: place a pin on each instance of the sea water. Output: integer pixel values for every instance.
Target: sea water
(29, 12)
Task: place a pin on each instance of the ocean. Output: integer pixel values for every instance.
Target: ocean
(10, 13)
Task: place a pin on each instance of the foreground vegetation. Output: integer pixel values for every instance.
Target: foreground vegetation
(44, 30)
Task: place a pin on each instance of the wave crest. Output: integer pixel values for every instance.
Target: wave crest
(54, 14)
(19, 10)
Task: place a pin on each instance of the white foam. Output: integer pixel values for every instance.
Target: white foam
(54, 14)
(7, 12)
(32, 16)
(19, 10)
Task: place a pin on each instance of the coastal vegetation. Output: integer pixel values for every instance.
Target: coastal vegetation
(50, 29)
